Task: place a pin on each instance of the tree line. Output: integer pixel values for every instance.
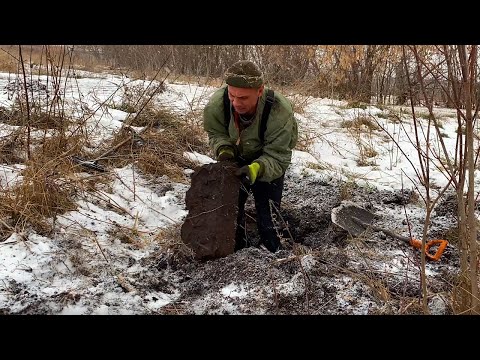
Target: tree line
(364, 73)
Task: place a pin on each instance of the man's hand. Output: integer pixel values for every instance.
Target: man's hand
(250, 171)
(225, 153)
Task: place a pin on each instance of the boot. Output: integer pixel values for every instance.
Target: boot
(240, 243)
(273, 245)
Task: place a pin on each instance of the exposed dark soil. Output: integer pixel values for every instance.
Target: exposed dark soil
(322, 270)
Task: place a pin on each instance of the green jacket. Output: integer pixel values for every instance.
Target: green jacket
(281, 135)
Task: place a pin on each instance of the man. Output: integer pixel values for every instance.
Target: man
(263, 163)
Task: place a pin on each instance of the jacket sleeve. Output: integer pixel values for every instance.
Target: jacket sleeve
(214, 123)
(277, 151)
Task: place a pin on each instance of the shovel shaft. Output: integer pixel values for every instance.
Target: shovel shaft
(386, 231)
(440, 244)
(392, 234)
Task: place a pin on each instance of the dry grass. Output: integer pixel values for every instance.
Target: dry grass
(361, 130)
(41, 121)
(8, 66)
(159, 151)
(360, 123)
(151, 117)
(321, 165)
(58, 146)
(163, 154)
(88, 62)
(50, 183)
(11, 148)
(48, 188)
(356, 105)
(7, 62)
(43, 193)
(129, 235)
(367, 152)
(451, 235)
(406, 306)
(170, 239)
(136, 99)
(347, 190)
(298, 93)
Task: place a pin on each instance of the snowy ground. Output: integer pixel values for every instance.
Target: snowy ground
(90, 266)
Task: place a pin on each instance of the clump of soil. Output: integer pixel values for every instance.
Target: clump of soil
(212, 202)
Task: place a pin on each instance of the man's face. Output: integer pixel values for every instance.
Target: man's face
(244, 100)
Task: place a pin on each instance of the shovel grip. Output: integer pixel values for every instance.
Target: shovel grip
(442, 244)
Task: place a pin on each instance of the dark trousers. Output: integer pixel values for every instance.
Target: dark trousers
(263, 192)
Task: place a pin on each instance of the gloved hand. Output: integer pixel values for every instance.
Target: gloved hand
(251, 171)
(225, 153)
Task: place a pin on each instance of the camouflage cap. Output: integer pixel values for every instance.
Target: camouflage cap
(244, 74)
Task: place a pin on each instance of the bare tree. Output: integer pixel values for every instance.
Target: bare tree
(454, 71)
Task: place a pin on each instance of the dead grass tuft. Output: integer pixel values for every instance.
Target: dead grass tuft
(11, 148)
(299, 103)
(136, 99)
(47, 121)
(171, 240)
(359, 123)
(151, 117)
(411, 306)
(57, 147)
(48, 188)
(129, 235)
(159, 151)
(356, 105)
(347, 190)
(43, 193)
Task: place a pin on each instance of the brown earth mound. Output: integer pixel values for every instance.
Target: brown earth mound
(212, 204)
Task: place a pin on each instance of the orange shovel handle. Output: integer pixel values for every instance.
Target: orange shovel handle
(442, 244)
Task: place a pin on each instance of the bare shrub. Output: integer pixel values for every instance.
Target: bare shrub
(305, 141)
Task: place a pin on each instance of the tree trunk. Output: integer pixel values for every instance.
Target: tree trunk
(468, 72)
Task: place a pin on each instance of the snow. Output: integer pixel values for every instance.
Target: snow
(42, 265)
